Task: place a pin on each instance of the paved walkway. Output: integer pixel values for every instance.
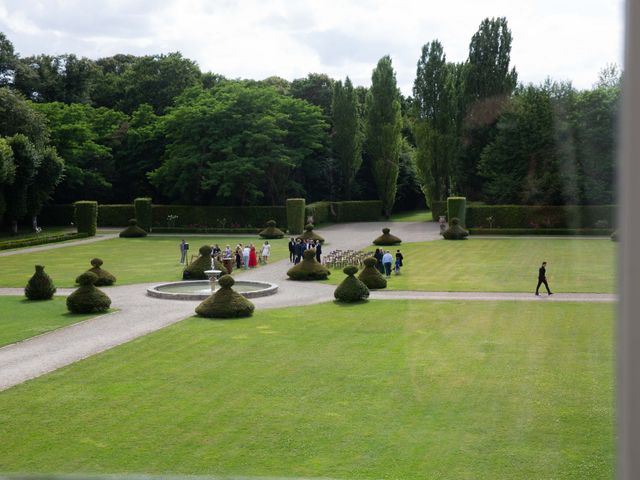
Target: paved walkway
(139, 314)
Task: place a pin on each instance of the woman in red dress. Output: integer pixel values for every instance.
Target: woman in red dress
(253, 258)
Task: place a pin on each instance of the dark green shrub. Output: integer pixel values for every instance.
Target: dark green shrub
(371, 276)
(104, 278)
(309, 268)
(115, 215)
(40, 285)
(321, 212)
(438, 209)
(309, 234)
(271, 231)
(225, 303)
(133, 230)
(219, 218)
(28, 242)
(87, 298)
(456, 208)
(144, 214)
(358, 211)
(295, 215)
(86, 217)
(351, 289)
(455, 231)
(386, 238)
(195, 271)
(540, 216)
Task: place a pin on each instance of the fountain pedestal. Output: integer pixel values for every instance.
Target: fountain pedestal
(213, 276)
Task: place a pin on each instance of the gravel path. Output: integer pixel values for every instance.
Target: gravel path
(139, 314)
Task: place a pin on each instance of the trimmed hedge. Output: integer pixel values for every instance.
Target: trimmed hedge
(295, 215)
(40, 286)
(309, 268)
(322, 212)
(271, 231)
(541, 231)
(386, 238)
(105, 278)
(236, 231)
(541, 216)
(351, 289)
(30, 242)
(226, 302)
(309, 234)
(216, 218)
(144, 216)
(455, 231)
(133, 230)
(340, 212)
(371, 276)
(87, 298)
(115, 215)
(457, 208)
(86, 217)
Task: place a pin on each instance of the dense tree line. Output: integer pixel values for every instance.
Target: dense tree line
(157, 125)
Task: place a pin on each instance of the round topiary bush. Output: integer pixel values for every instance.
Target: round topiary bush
(371, 276)
(87, 298)
(309, 234)
(309, 268)
(133, 230)
(455, 231)
(351, 289)
(226, 302)
(386, 238)
(271, 231)
(195, 271)
(104, 278)
(40, 285)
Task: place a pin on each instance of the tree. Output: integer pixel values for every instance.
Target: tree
(8, 61)
(346, 137)
(383, 127)
(7, 172)
(26, 160)
(44, 182)
(315, 88)
(18, 116)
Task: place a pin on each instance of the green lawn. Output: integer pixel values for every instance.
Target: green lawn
(131, 260)
(412, 216)
(20, 318)
(398, 390)
(504, 265)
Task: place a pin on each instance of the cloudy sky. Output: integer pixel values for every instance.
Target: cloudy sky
(564, 39)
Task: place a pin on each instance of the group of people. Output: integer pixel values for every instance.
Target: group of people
(244, 255)
(385, 260)
(298, 246)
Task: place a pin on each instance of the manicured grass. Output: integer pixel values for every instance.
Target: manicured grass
(412, 216)
(504, 265)
(402, 390)
(21, 319)
(131, 260)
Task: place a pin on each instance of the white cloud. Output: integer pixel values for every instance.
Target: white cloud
(563, 39)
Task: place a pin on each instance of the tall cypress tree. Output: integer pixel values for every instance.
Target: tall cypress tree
(346, 138)
(383, 131)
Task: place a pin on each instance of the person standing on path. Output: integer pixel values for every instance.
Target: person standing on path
(542, 279)
(399, 259)
(387, 259)
(266, 249)
(245, 256)
(184, 247)
(378, 256)
(253, 258)
(292, 250)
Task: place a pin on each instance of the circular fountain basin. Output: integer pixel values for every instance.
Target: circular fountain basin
(201, 289)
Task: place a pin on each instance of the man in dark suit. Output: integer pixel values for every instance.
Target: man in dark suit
(542, 279)
(292, 250)
(318, 248)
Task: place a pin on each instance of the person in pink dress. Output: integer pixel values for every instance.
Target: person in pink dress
(253, 258)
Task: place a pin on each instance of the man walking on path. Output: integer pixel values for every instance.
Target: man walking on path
(386, 261)
(542, 279)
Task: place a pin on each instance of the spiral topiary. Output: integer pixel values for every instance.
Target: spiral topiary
(309, 234)
(371, 276)
(195, 271)
(386, 238)
(455, 231)
(104, 278)
(271, 231)
(87, 298)
(351, 289)
(40, 285)
(226, 302)
(309, 268)
(133, 230)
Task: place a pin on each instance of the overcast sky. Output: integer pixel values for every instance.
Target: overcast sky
(563, 39)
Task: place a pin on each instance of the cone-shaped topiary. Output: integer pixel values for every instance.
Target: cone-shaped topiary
(225, 303)
(87, 298)
(309, 234)
(40, 286)
(133, 230)
(309, 268)
(104, 278)
(386, 238)
(351, 289)
(455, 231)
(371, 276)
(271, 231)
(196, 270)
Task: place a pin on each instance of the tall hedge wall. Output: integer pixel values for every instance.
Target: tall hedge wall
(295, 215)
(351, 211)
(115, 215)
(144, 215)
(457, 208)
(529, 216)
(219, 217)
(86, 217)
(322, 212)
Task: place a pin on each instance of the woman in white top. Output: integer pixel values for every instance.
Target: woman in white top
(266, 249)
